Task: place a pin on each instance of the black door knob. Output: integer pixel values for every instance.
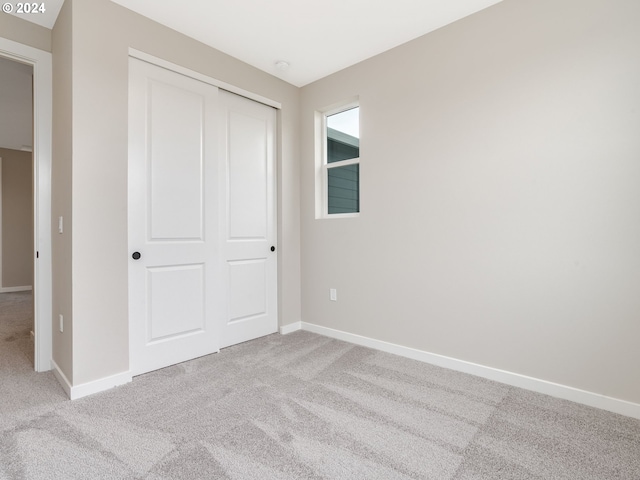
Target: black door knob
(136, 255)
(273, 249)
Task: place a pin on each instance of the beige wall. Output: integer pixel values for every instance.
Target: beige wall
(17, 218)
(61, 191)
(16, 101)
(27, 33)
(102, 33)
(500, 201)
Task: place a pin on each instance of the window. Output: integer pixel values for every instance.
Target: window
(340, 168)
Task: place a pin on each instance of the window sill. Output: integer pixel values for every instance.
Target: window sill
(338, 215)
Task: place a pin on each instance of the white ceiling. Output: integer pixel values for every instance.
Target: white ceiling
(46, 18)
(316, 38)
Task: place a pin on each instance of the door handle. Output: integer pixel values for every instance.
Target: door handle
(273, 249)
(136, 255)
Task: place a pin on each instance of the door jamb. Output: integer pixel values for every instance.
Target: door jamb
(41, 61)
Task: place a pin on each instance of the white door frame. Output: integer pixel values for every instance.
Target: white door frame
(42, 125)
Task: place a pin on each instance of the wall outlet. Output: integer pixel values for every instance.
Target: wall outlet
(61, 323)
(333, 294)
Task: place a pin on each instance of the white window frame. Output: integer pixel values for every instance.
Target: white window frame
(323, 166)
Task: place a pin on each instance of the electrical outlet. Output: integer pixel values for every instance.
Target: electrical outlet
(61, 324)
(333, 294)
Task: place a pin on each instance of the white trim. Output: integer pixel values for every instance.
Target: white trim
(145, 57)
(290, 328)
(565, 392)
(340, 107)
(318, 133)
(89, 388)
(100, 385)
(25, 288)
(42, 124)
(342, 163)
(340, 215)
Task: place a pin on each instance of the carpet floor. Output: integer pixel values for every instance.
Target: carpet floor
(299, 406)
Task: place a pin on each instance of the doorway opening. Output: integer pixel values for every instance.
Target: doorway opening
(17, 218)
(33, 151)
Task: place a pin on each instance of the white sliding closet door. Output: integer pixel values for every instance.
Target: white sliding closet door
(173, 218)
(201, 218)
(248, 241)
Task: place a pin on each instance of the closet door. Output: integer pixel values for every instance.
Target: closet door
(202, 223)
(248, 235)
(175, 293)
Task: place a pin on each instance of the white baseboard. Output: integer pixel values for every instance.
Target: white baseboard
(584, 397)
(25, 288)
(100, 385)
(290, 328)
(78, 391)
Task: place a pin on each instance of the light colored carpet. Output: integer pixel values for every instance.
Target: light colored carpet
(301, 406)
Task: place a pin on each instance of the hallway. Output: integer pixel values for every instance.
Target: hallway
(20, 386)
(16, 323)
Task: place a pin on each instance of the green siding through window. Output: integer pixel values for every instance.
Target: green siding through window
(343, 181)
(344, 186)
(337, 150)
